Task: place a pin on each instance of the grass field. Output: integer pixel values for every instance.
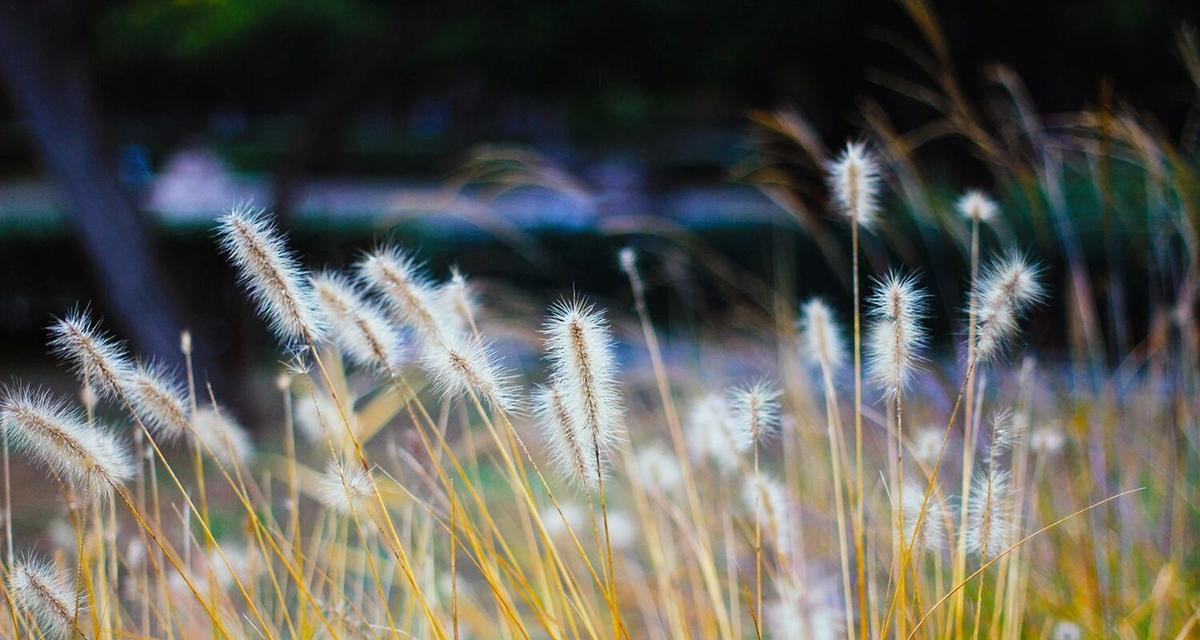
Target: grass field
(911, 464)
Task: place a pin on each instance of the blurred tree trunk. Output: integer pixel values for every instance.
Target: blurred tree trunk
(47, 77)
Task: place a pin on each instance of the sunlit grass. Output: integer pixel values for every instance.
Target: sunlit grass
(790, 470)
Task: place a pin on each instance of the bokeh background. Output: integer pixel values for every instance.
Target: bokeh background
(523, 141)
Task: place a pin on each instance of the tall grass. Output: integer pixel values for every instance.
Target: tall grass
(420, 485)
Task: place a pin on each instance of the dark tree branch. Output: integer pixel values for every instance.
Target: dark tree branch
(47, 79)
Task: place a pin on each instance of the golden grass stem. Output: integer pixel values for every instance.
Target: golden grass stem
(675, 429)
(969, 435)
(859, 484)
(832, 424)
(985, 566)
(929, 488)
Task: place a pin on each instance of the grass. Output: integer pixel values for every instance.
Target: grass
(790, 471)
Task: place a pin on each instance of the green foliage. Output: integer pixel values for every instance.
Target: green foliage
(202, 32)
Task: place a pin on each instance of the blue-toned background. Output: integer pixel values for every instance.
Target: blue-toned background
(524, 141)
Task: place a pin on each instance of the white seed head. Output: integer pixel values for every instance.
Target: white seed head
(854, 181)
(234, 560)
(820, 340)
(584, 370)
(462, 364)
(399, 280)
(756, 410)
(158, 399)
(97, 358)
(320, 421)
(656, 468)
(927, 444)
(1066, 630)
(896, 339)
(1007, 430)
(221, 436)
(360, 328)
(712, 432)
(455, 304)
(801, 613)
(135, 552)
(344, 489)
(989, 523)
(770, 498)
(977, 206)
(271, 273)
(932, 534)
(568, 446)
(627, 259)
(88, 457)
(1047, 440)
(47, 593)
(1007, 288)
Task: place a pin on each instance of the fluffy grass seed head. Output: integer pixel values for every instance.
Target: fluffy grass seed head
(97, 358)
(463, 363)
(1007, 432)
(47, 593)
(584, 369)
(1008, 287)
(989, 522)
(713, 433)
(771, 500)
(1047, 440)
(159, 401)
(319, 421)
(927, 444)
(755, 410)
(1066, 630)
(233, 560)
(89, 458)
(932, 534)
(344, 488)
(854, 182)
(655, 467)
(222, 436)
(360, 328)
(568, 446)
(820, 339)
(408, 293)
(455, 304)
(802, 612)
(627, 259)
(976, 206)
(896, 338)
(271, 273)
